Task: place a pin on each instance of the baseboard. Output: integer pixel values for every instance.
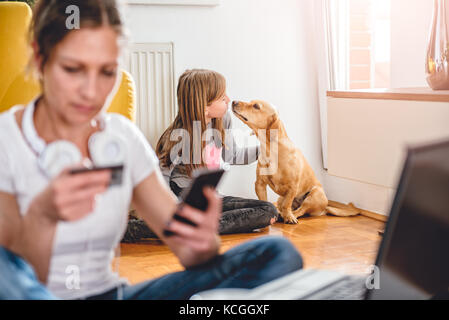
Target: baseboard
(363, 212)
(372, 198)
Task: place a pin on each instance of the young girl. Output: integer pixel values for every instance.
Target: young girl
(204, 123)
(67, 225)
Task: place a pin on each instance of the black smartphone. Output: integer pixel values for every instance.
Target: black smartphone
(194, 196)
(116, 173)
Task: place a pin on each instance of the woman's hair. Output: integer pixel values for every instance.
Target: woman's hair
(197, 89)
(49, 24)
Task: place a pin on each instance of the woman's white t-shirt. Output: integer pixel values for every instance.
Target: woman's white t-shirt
(81, 261)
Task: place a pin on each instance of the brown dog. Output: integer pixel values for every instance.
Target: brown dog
(282, 166)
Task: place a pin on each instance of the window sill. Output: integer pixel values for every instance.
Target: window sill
(411, 94)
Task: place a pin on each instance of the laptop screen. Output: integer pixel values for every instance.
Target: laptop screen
(413, 259)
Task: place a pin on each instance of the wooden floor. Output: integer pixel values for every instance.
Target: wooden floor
(346, 244)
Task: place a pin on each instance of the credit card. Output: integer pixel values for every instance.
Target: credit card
(116, 173)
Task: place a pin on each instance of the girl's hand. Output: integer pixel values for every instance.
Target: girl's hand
(201, 241)
(70, 197)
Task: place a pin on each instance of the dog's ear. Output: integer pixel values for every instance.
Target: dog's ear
(271, 120)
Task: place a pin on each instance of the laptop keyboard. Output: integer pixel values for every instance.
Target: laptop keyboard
(349, 288)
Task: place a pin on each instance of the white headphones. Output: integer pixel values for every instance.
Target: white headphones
(105, 147)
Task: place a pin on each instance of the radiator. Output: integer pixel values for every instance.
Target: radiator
(151, 65)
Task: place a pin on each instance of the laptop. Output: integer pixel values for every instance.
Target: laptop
(413, 257)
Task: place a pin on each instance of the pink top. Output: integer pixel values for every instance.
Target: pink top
(212, 156)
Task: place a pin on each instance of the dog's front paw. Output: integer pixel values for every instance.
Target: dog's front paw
(290, 219)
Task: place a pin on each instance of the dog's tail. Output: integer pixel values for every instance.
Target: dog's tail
(343, 211)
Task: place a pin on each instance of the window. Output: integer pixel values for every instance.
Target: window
(353, 49)
(359, 45)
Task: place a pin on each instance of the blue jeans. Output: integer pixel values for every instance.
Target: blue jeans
(18, 280)
(248, 265)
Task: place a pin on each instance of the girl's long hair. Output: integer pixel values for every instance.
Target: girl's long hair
(196, 89)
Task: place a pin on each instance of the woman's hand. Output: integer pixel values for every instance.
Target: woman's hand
(200, 242)
(70, 197)
(156, 204)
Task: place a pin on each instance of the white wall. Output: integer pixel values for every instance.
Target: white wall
(410, 25)
(262, 47)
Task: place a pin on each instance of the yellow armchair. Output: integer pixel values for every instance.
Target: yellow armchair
(16, 87)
